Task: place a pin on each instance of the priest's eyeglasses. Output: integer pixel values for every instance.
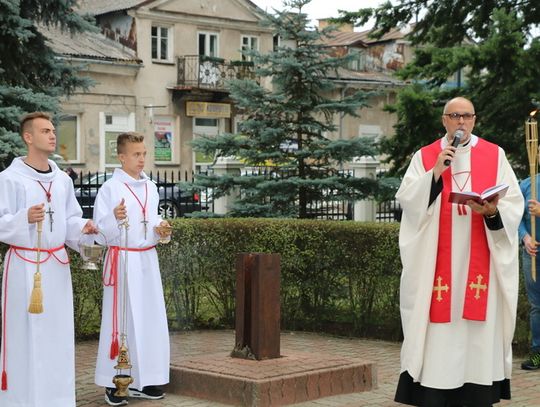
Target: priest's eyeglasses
(456, 116)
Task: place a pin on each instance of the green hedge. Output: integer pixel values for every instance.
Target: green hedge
(336, 277)
(341, 276)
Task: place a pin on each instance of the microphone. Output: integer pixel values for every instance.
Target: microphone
(457, 138)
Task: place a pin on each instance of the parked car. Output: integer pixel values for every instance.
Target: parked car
(171, 202)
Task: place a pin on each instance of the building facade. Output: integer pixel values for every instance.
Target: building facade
(160, 68)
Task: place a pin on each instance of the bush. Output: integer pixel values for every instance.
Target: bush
(336, 277)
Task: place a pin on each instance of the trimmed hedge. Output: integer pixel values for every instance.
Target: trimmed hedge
(336, 277)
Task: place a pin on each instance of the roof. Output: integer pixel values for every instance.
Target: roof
(347, 39)
(90, 45)
(362, 38)
(98, 7)
(393, 34)
(371, 77)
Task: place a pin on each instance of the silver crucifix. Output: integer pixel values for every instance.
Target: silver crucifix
(145, 223)
(50, 213)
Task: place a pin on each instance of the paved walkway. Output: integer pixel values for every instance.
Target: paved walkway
(525, 385)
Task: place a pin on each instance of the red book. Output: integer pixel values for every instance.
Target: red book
(461, 197)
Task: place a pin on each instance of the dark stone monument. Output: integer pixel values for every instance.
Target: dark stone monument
(257, 306)
(258, 375)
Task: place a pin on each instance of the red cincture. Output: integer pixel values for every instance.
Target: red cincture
(111, 280)
(16, 249)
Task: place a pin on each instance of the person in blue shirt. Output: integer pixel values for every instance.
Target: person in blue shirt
(529, 248)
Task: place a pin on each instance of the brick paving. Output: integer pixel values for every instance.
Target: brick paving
(525, 385)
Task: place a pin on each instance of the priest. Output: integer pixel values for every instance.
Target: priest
(38, 348)
(459, 284)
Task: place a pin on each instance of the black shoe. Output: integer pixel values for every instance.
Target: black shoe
(148, 392)
(113, 400)
(532, 363)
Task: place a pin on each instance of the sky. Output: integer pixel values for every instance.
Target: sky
(321, 8)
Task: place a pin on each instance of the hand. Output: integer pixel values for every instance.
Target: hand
(164, 229)
(446, 154)
(534, 207)
(90, 228)
(36, 213)
(530, 245)
(120, 211)
(487, 208)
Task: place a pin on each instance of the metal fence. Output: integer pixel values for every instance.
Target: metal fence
(388, 211)
(324, 203)
(173, 202)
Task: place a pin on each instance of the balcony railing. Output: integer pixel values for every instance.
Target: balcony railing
(197, 71)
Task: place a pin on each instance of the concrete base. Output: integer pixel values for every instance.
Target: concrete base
(293, 378)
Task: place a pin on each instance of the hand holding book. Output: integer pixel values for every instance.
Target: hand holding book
(489, 194)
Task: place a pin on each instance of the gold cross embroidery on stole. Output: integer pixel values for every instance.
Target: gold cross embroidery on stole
(438, 288)
(478, 286)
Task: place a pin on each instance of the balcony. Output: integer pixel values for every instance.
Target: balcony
(202, 72)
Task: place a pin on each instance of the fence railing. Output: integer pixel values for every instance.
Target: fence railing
(323, 203)
(200, 71)
(388, 211)
(173, 202)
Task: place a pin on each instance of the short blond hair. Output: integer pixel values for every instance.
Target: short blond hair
(129, 137)
(25, 124)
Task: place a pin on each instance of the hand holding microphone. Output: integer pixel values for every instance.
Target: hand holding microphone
(458, 135)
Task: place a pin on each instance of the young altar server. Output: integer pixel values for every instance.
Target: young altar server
(38, 345)
(459, 285)
(129, 195)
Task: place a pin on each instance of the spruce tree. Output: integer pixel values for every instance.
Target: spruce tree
(495, 43)
(285, 127)
(32, 77)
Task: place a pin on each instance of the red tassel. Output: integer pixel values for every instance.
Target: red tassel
(114, 348)
(4, 380)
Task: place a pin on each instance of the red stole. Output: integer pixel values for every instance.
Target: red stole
(484, 165)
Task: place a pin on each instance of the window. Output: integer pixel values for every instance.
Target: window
(208, 44)
(111, 125)
(202, 122)
(249, 43)
(161, 43)
(203, 126)
(358, 62)
(276, 42)
(68, 138)
(368, 130)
